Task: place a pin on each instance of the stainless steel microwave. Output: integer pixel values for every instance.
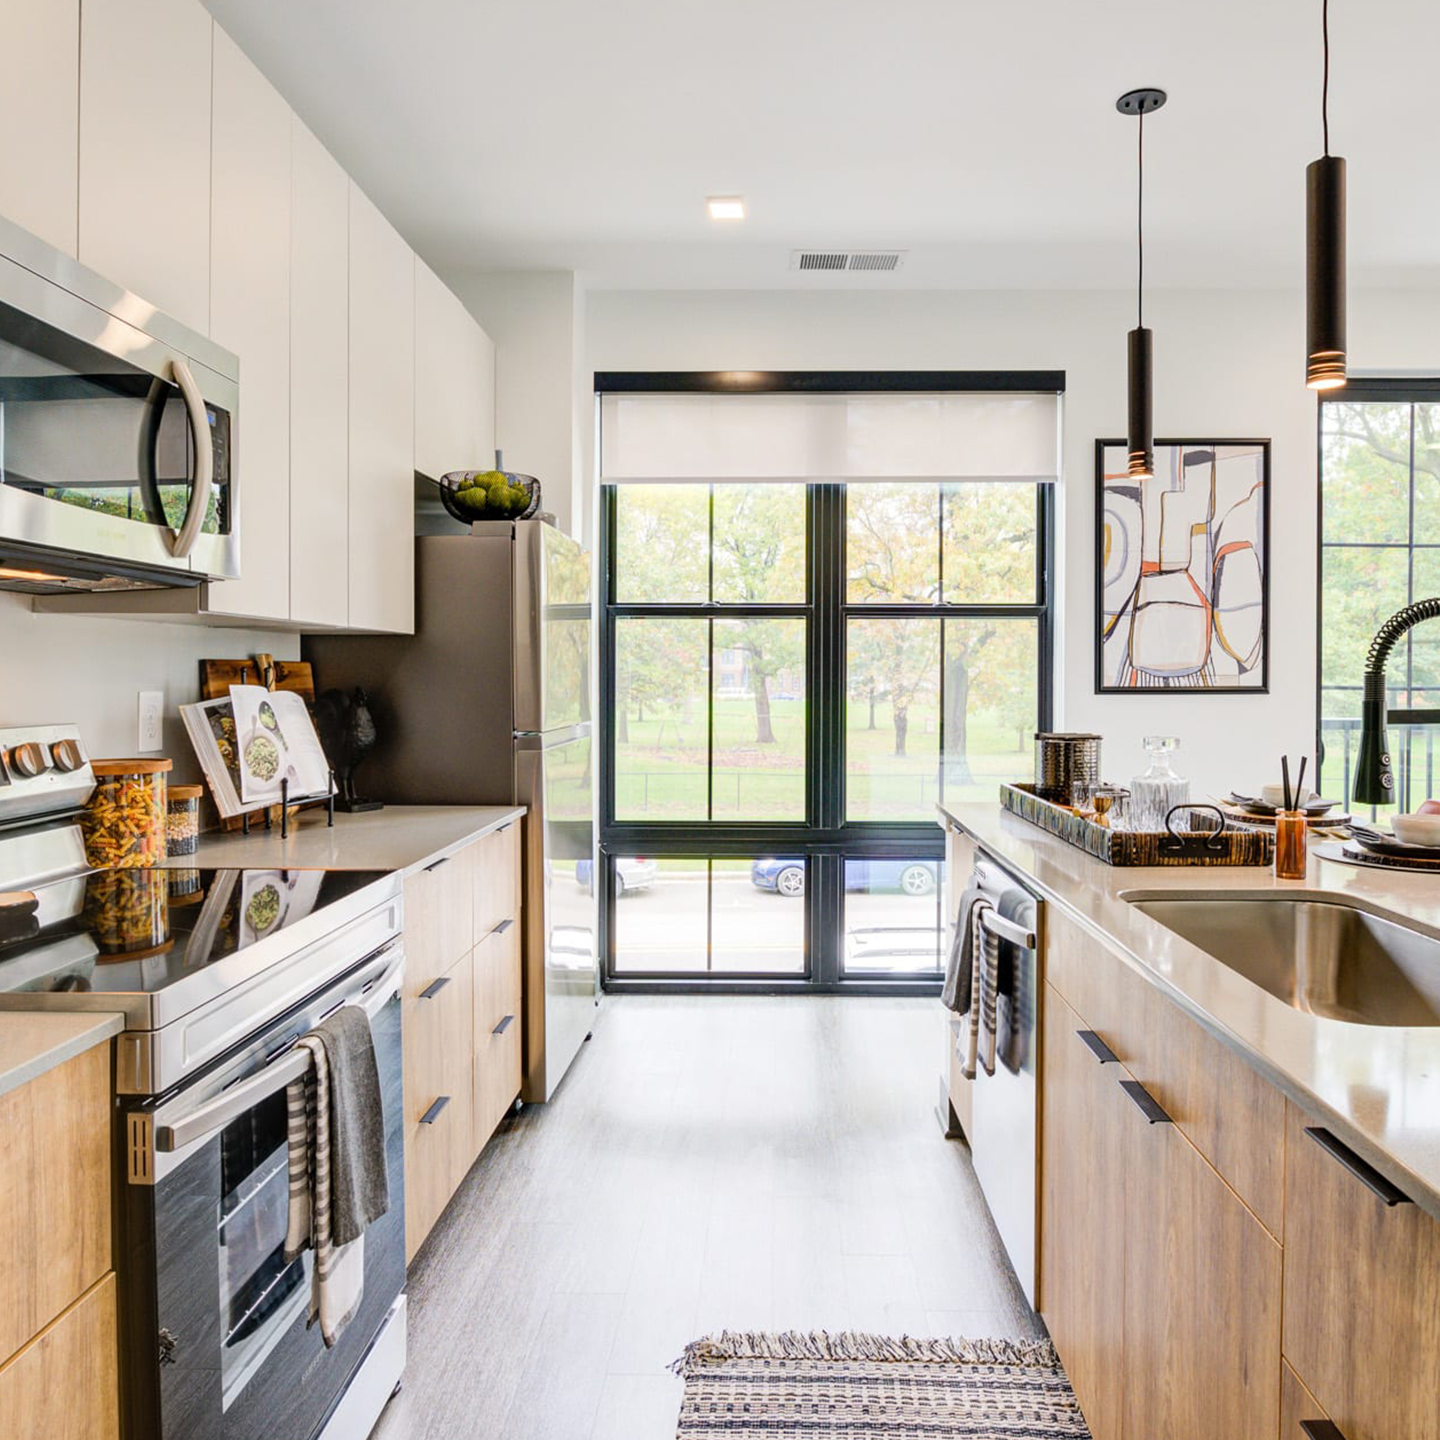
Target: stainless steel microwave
(118, 431)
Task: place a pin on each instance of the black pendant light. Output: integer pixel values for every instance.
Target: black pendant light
(1141, 431)
(1325, 250)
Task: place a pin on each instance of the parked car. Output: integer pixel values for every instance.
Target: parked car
(632, 872)
(786, 875)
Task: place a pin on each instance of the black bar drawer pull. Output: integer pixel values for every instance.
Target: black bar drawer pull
(443, 860)
(503, 1026)
(433, 1113)
(434, 988)
(502, 927)
(1321, 1430)
(1147, 1103)
(1097, 1047)
(1362, 1170)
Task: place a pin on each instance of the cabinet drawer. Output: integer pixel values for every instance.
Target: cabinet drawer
(63, 1384)
(439, 1103)
(498, 1028)
(54, 1194)
(497, 879)
(439, 918)
(1362, 1316)
(1227, 1111)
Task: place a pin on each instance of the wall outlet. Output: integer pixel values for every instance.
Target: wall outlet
(152, 721)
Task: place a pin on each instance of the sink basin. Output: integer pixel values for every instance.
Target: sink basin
(1319, 954)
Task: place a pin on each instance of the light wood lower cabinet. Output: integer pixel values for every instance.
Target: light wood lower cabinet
(1202, 1298)
(1362, 1296)
(54, 1194)
(462, 1020)
(498, 1027)
(63, 1385)
(1082, 1209)
(439, 1097)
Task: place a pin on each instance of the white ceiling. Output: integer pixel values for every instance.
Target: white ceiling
(983, 139)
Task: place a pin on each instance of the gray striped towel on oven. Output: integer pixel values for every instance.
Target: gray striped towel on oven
(338, 1183)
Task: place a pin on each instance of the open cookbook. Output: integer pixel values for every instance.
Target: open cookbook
(253, 741)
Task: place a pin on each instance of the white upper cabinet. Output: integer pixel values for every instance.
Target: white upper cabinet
(250, 315)
(454, 382)
(145, 151)
(39, 117)
(381, 509)
(319, 383)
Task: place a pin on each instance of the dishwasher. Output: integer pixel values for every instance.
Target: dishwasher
(1004, 1122)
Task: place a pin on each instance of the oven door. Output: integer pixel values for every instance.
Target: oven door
(216, 1340)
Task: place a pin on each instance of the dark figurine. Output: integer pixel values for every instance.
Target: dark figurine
(347, 731)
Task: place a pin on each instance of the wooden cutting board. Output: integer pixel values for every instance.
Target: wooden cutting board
(217, 676)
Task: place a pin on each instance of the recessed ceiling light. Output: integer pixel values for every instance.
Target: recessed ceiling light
(726, 207)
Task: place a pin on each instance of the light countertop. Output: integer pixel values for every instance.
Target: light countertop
(1376, 1087)
(399, 837)
(32, 1043)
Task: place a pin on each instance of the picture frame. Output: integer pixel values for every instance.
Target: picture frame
(1182, 569)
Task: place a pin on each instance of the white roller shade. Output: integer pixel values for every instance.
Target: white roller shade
(969, 435)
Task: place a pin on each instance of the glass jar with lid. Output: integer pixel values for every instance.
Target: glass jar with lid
(1156, 792)
(124, 822)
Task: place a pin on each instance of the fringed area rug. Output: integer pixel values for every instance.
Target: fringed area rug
(870, 1387)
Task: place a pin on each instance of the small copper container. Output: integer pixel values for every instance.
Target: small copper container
(1291, 839)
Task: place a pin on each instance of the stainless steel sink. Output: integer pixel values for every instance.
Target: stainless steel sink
(1319, 954)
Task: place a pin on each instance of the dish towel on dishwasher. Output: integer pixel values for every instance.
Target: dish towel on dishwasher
(987, 986)
(982, 944)
(959, 970)
(336, 1149)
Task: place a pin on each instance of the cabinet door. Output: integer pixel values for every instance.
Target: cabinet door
(64, 1384)
(145, 151)
(439, 918)
(54, 1193)
(497, 879)
(454, 367)
(381, 510)
(250, 314)
(1202, 1297)
(498, 1028)
(438, 1027)
(1362, 1302)
(319, 383)
(1082, 1214)
(1297, 1404)
(39, 117)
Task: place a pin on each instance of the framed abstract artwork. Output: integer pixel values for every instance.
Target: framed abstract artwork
(1182, 569)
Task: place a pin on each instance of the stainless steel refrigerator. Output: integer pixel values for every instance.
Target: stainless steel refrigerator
(489, 703)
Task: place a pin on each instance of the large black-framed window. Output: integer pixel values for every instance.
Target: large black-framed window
(1379, 550)
(819, 646)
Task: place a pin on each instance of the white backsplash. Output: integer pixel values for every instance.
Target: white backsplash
(90, 671)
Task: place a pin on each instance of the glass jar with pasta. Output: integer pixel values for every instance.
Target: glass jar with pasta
(124, 823)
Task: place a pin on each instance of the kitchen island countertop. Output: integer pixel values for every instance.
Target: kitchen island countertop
(1376, 1087)
(33, 1042)
(399, 837)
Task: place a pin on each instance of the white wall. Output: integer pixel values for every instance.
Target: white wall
(89, 671)
(1226, 364)
(536, 319)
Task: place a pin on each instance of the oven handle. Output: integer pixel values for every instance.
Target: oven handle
(280, 1072)
(182, 542)
(1005, 929)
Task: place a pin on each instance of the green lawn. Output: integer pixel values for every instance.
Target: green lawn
(660, 770)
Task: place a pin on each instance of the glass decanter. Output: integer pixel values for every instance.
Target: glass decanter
(1155, 793)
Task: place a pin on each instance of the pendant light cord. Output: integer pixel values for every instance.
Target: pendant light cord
(1140, 225)
(1325, 85)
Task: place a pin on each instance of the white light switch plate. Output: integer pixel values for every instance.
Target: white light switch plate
(152, 721)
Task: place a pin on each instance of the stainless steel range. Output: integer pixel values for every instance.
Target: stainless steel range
(217, 973)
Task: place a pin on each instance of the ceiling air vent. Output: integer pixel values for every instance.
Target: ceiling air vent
(877, 261)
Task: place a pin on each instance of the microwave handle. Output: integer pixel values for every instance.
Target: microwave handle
(182, 542)
(289, 1066)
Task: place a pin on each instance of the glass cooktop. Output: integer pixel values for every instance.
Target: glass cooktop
(128, 932)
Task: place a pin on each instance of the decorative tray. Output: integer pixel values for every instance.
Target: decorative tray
(1201, 846)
